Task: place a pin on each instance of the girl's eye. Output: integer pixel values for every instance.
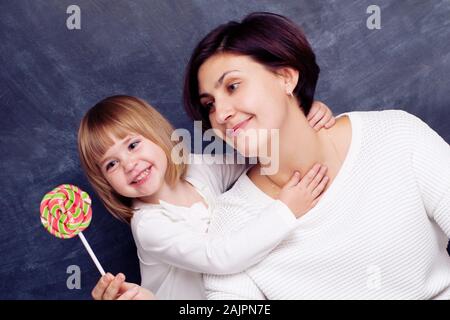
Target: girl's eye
(133, 145)
(110, 165)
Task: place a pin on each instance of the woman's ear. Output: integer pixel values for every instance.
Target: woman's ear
(290, 78)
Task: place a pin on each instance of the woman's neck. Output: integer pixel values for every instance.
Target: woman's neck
(300, 147)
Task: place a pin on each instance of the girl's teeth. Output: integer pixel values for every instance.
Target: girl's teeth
(142, 175)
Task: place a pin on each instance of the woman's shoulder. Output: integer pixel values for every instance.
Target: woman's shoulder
(387, 117)
(388, 124)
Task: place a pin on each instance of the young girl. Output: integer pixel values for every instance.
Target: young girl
(125, 148)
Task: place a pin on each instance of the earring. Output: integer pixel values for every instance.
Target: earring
(290, 95)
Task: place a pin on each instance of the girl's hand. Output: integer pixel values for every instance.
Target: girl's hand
(301, 195)
(320, 116)
(115, 288)
(132, 291)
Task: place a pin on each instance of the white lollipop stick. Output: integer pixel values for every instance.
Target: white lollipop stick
(91, 253)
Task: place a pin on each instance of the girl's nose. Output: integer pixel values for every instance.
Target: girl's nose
(130, 164)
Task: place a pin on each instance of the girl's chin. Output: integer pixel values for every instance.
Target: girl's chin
(148, 197)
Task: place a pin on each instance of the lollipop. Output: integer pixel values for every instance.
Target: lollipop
(66, 212)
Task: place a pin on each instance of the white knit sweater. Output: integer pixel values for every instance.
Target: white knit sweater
(379, 232)
(174, 247)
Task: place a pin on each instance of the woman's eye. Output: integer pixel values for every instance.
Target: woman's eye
(133, 145)
(209, 105)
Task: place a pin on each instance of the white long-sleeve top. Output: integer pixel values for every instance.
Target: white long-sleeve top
(380, 231)
(174, 247)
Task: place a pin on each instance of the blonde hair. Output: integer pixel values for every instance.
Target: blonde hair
(118, 116)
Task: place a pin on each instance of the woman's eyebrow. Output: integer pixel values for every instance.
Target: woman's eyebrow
(124, 142)
(218, 83)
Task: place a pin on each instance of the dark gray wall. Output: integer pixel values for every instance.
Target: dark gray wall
(50, 76)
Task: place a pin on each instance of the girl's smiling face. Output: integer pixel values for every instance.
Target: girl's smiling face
(135, 167)
(244, 100)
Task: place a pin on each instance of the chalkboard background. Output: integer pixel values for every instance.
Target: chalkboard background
(50, 76)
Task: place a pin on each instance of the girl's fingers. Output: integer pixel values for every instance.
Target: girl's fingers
(313, 204)
(294, 180)
(327, 115)
(314, 109)
(114, 287)
(319, 125)
(317, 178)
(327, 120)
(306, 180)
(319, 189)
(130, 294)
(330, 122)
(99, 290)
(317, 117)
(127, 286)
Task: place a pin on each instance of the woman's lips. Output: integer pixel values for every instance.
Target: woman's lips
(238, 128)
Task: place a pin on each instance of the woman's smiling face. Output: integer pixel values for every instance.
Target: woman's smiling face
(244, 100)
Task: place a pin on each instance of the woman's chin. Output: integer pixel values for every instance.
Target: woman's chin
(247, 152)
(252, 150)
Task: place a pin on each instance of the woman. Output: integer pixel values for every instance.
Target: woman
(381, 228)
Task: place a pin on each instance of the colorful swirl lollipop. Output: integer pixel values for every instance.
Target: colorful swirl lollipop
(66, 212)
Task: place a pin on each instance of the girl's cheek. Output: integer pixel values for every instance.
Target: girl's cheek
(112, 181)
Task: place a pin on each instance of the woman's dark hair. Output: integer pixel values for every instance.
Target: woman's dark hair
(269, 39)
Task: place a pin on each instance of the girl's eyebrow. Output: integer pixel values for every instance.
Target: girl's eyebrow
(218, 83)
(125, 141)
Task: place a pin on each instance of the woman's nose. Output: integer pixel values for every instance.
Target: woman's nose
(224, 111)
